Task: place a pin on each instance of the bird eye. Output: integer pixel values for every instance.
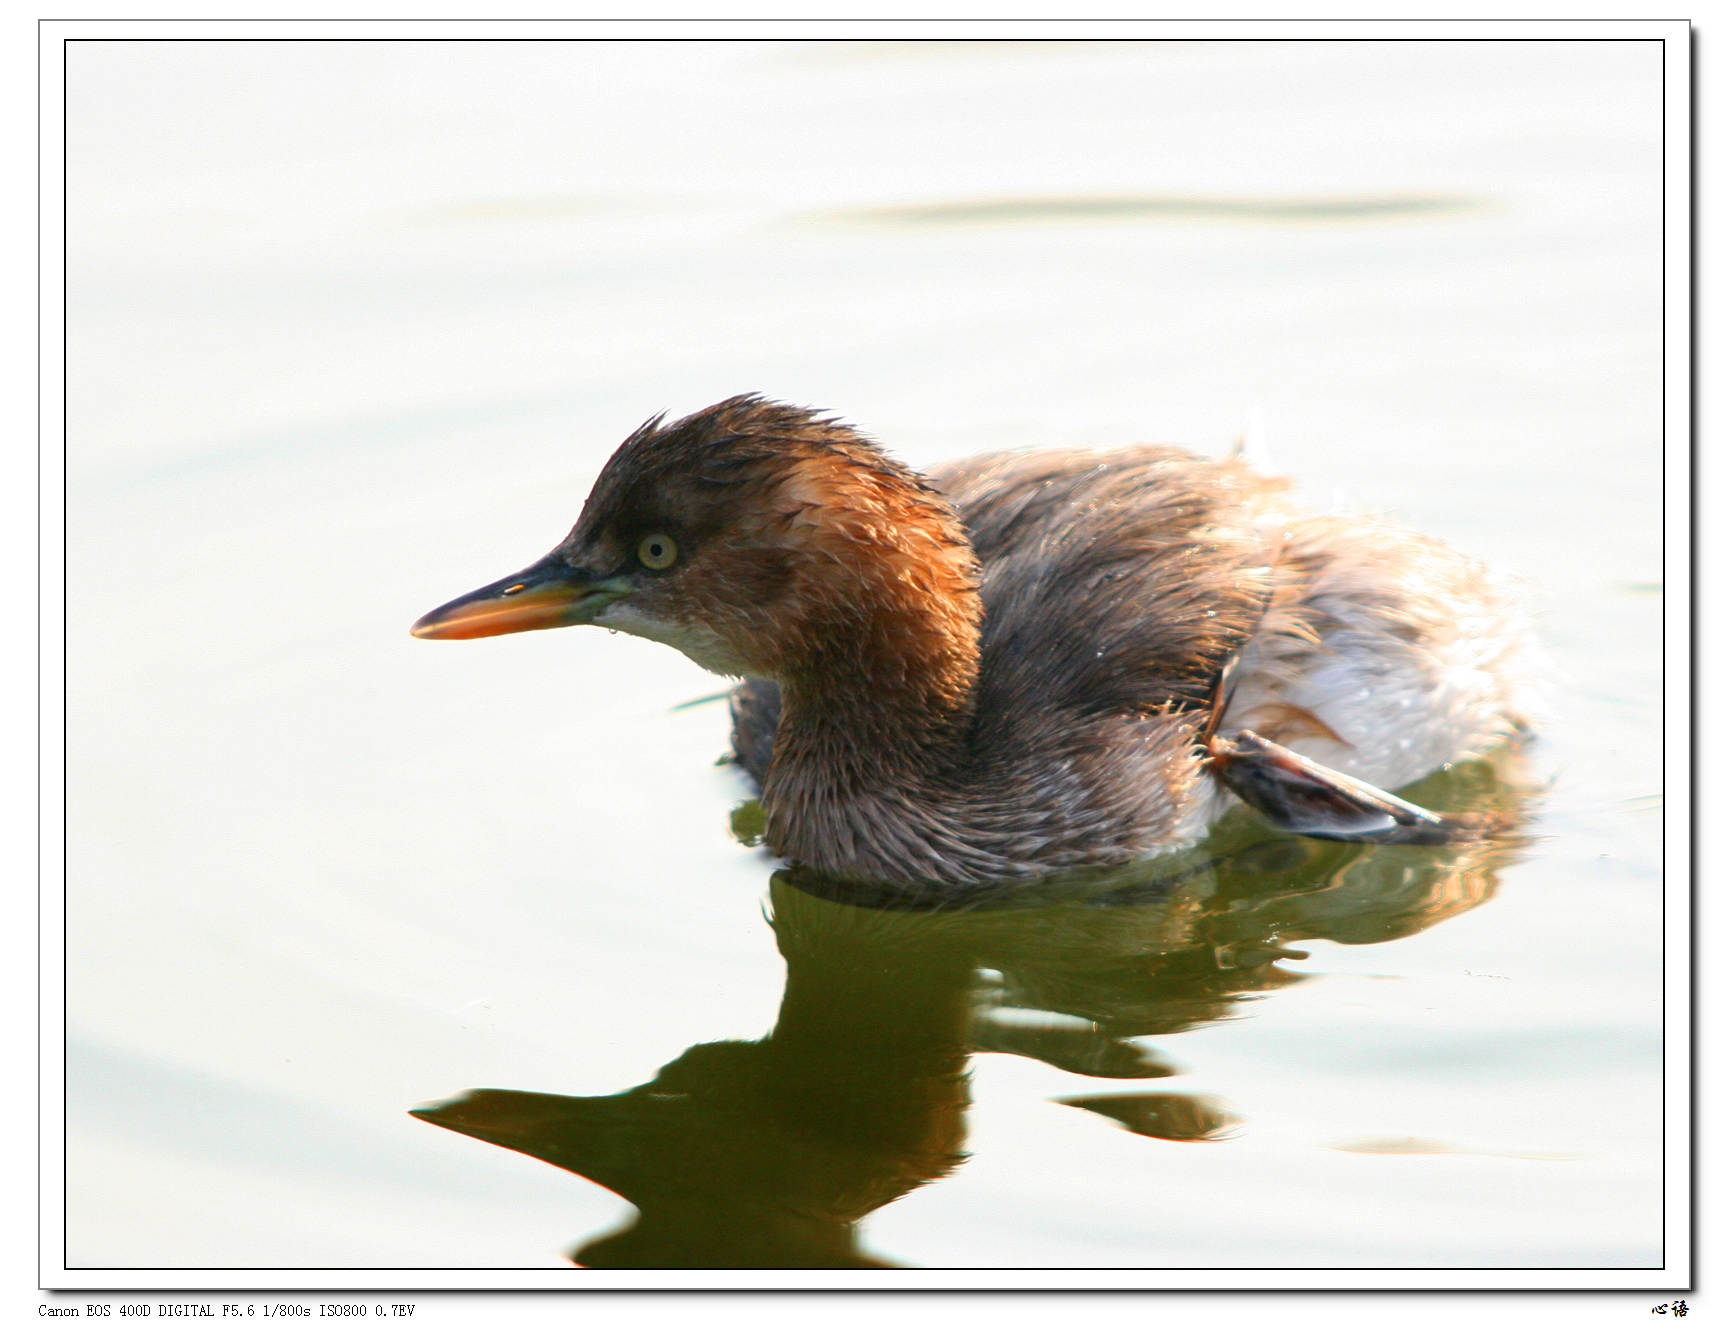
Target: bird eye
(657, 552)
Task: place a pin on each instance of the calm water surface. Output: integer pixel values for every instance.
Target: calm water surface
(352, 327)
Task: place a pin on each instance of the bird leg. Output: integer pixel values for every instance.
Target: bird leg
(1308, 799)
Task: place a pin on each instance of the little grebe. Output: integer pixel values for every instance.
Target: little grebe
(1031, 662)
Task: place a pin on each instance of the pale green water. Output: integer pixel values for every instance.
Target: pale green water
(351, 330)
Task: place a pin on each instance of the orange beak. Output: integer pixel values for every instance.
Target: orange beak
(549, 594)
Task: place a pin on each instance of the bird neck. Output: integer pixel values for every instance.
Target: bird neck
(874, 728)
(884, 701)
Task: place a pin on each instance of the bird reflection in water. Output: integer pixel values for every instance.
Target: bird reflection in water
(768, 1153)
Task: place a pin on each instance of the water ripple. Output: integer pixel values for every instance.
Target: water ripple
(1043, 210)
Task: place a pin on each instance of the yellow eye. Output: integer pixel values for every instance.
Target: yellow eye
(657, 552)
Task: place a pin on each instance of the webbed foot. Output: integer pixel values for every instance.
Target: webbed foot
(1308, 799)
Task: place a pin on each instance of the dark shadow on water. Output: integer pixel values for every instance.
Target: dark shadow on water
(767, 1153)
